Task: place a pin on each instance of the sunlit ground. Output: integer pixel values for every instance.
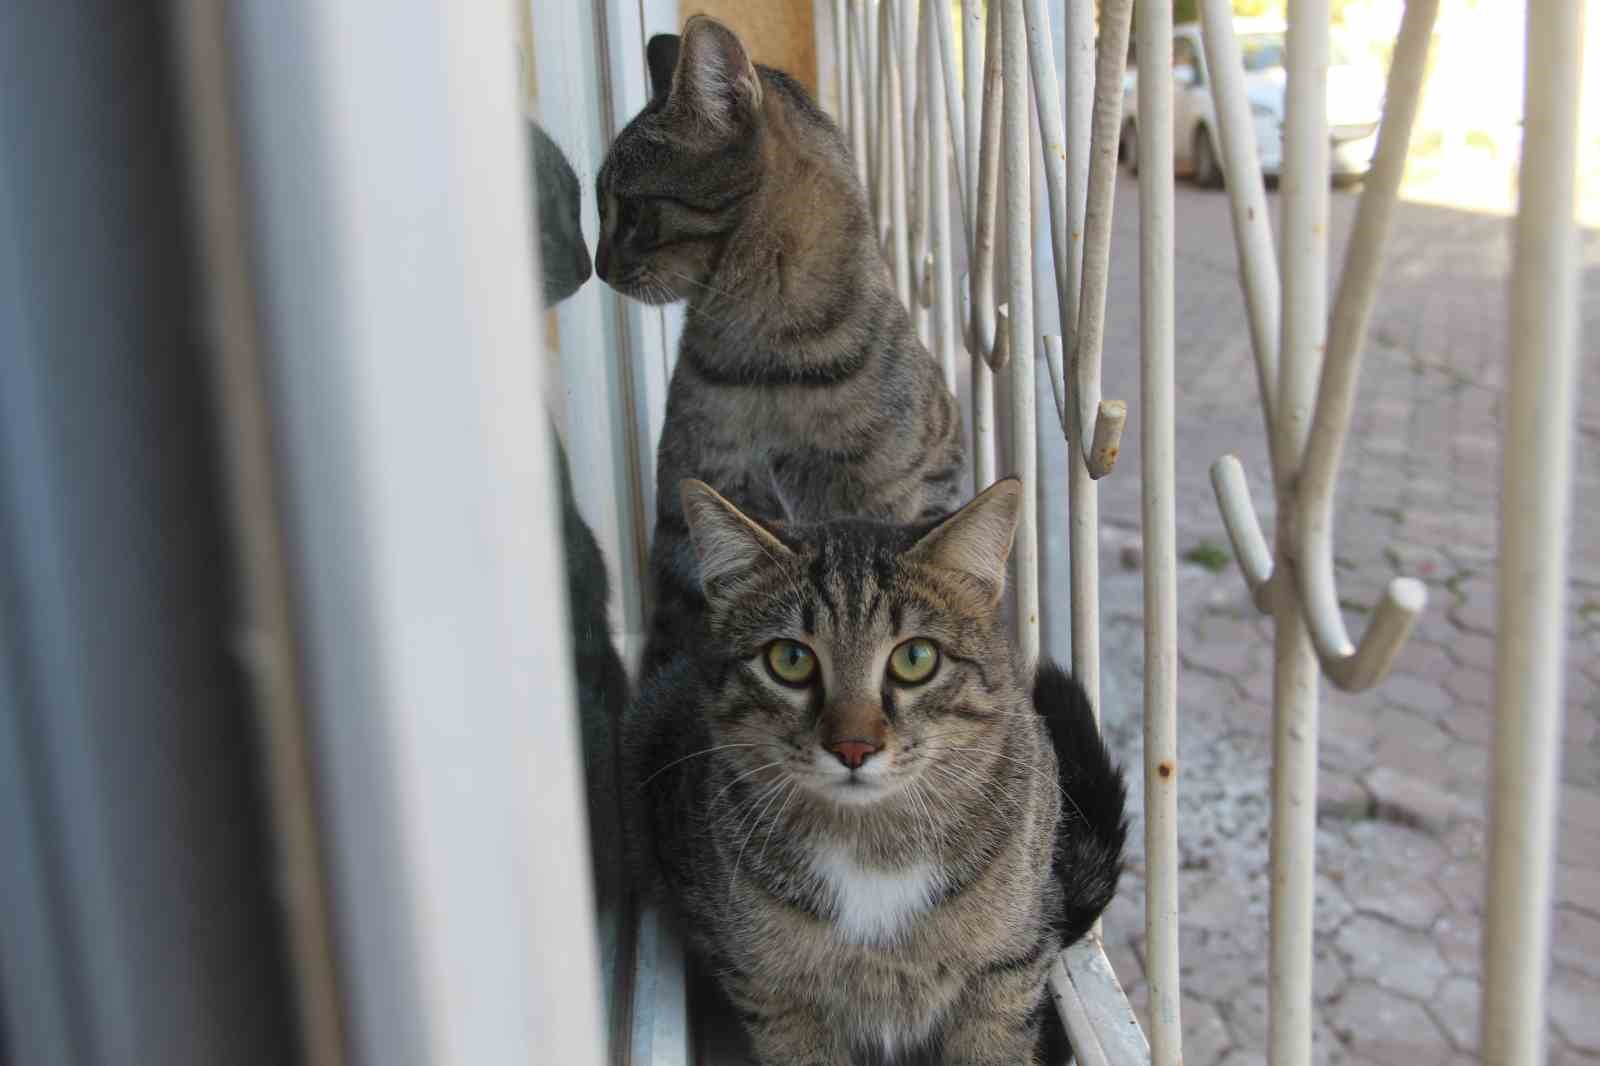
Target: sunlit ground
(1467, 140)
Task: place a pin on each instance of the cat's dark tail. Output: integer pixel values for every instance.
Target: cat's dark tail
(1094, 825)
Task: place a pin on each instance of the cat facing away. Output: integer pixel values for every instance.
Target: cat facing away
(854, 803)
(801, 390)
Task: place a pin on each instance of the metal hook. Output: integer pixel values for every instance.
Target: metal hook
(1244, 529)
(1350, 666)
(1101, 447)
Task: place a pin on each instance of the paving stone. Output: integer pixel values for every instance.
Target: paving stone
(1341, 796)
(1466, 773)
(1387, 1029)
(1469, 684)
(1403, 895)
(1205, 1038)
(1463, 884)
(1472, 649)
(1456, 1007)
(1328, 974)
(1408, 740)
(1467, 840)
(1476, 613)
(1247, 1022)
(1426, 695)
(1459, 940)
(1395, 959)
(1422, 659)
(1472, 723)
(1578, 888)
(1414, 801)
(1561, 1055)
(1572, 998)
(1342, 721)
(1575, 940)
(1579, 846)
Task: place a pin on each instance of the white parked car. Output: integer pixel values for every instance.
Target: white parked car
(1355, 104)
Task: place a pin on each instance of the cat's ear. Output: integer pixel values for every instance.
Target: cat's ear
(976, 540)
(715, 79)
(661, 54)
(728, 544)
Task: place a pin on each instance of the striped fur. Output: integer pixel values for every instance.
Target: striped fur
(908, 908)
(801, 390)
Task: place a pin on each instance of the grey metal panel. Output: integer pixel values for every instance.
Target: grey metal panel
(121, 709)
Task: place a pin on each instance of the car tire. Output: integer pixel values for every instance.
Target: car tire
(1207, 174)
(1128, 147)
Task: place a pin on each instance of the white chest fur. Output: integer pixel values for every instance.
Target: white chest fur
(875, 906)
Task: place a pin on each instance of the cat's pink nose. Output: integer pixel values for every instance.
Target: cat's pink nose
(853, 753)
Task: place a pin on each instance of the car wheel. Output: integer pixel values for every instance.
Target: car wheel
(1206, 172)
(1128, 147)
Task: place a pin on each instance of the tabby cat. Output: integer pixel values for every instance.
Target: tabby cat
(852, 800)
(801, 390)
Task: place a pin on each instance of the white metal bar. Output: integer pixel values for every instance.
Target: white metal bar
(1247, 196)
(1110, 64)
(1019, 261)
(877, 144)
(921, 190)
(1350, 667)
(907, 45)
(985, 340)
(1105, 433)
(859, 94)
(466, 917)
(942, 243)
(956, 115)
(1535, 520)
(975, 76)
(1244, 530)
(840, 40)
(984, 336)
(1304, 193)
(1157, 453)
(894, 127)
(1083, 495)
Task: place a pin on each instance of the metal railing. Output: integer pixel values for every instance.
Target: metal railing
(1308, 364)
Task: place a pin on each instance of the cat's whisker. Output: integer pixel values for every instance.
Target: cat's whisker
(949, 773)
(698, 283)
(733, 878)
(692, 755)
(741, 777)
(777, 820)
(1031, 769)
(741, 814)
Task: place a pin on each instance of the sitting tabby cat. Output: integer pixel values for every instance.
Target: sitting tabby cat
(852, 800)
(801, 391)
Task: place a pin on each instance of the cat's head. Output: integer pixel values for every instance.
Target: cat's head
(724, 150)
(563, 255)
(858, 658)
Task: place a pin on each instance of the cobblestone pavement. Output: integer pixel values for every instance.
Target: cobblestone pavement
(1401, 838)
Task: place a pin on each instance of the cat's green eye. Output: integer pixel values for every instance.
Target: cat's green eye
(791, 662)
(914, 661)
